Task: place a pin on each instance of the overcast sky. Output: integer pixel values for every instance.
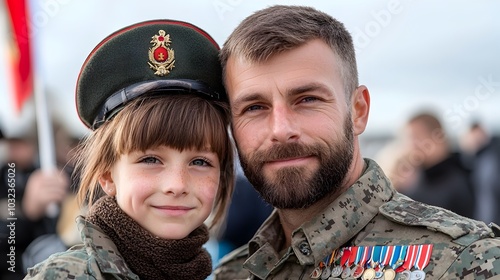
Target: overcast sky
(442, 55)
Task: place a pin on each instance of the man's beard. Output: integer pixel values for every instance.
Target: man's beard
(295, 187)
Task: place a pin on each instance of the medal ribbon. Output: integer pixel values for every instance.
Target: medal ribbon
(419, 250)
(346, 253)
(375, 259)
(424, 257)
(402, 256)
(359, 255)
(330, 258)
(395, 256)
(411, 256)
(352, 258)
(366, 255)
(386, 254)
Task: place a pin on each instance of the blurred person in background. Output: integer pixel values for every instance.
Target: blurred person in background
(394, 159)
(441, 178)
(66, 233)
(34, 190)
(482, 153)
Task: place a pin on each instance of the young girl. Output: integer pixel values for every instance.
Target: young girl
(159, 158)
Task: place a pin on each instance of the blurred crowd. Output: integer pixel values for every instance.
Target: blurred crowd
(423, 162)
(460, 173)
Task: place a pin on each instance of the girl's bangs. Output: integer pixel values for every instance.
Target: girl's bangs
(180, 121)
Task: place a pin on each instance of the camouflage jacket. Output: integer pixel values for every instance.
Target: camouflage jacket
(96, 258)
(370, 213)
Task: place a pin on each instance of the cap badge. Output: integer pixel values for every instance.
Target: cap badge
(161, 58)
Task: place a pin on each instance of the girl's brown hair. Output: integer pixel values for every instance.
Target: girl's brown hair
(180, 121)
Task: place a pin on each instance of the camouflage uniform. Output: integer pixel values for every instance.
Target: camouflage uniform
(96, 258)
(370, 213)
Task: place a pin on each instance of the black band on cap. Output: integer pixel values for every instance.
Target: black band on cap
(121, 97)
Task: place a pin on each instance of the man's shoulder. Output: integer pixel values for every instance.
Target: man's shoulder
(405, 211)
(231, 265)
(462, 248)
(479, 260)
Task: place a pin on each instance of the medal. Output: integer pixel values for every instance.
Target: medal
(336, 271)
(325, 273)
(368, 274)
(404, 275)
(389, 274)
(316, 273)
(346, 273)
(417, 275)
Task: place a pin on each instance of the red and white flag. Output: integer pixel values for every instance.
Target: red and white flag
(20, 55)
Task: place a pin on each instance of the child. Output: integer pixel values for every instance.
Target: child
(159, 158)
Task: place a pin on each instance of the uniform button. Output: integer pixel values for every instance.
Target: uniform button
(304, 248)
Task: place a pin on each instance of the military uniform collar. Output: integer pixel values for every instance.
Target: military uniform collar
(100, 246)
(334, 227)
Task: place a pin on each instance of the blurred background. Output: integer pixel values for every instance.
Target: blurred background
(411, 54)
(432, 68)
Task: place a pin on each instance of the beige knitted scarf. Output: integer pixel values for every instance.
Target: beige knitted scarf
(148, 256)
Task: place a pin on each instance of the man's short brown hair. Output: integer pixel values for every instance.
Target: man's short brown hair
(280, 28)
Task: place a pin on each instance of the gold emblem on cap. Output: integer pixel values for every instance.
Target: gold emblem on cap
(161, 58)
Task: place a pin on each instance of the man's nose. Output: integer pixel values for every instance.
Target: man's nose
(284, 127)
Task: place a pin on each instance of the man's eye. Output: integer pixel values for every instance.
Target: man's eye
(253, 108)
(309, 99)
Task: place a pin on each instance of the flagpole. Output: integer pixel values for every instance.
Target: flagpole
(46, 146)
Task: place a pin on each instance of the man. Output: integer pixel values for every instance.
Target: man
(297, 108)
(25, 193)
(442, 179)
(481, 150)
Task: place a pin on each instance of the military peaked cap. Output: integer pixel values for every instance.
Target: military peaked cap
(158, 56)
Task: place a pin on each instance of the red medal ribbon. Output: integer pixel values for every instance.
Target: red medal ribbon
(425, 252)
(410, 258)
(354, 253)
(345, 256)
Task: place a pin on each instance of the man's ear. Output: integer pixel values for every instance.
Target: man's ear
(360, 109)
(107, 184)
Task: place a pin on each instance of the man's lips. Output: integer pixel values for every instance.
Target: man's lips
(288, 161)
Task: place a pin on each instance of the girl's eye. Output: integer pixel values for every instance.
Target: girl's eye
(201, 162)
(149, 160)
